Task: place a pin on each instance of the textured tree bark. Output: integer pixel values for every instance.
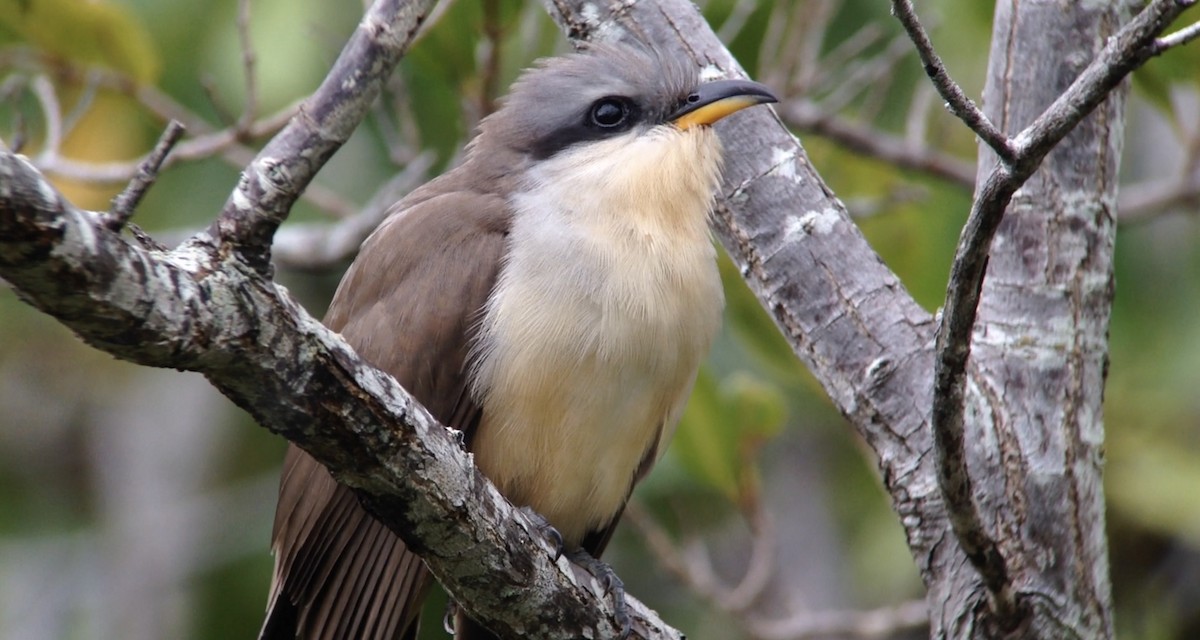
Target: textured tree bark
(1040, 348)
(1034, 416)
(1034, 419)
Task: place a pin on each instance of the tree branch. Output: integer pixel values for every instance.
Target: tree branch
(249, 65)
(147, 172)
(1178, 38)
(808, 117)
(272, 182)
(206, 308)
(199, 308)
(956, 100)
(1125, 51)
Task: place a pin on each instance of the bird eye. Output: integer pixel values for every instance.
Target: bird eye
(609, 112)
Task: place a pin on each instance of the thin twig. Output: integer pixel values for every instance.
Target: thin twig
(761, 567)
(849, 49)
(858, 78)
(807, 117)
(884, 622)
(493, 31)
(206, 141)
(1143, 202)
(199, 147)
(693, 568)
(249, 63)
(1178, 38)
(82, 105)
(736, 20)
(209, 85)
(125, 203)
(43, 90)
(916, 124)
(956, 99)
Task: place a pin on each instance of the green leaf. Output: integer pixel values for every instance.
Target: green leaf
(91, 32)
(1155, 485)
(723, 427)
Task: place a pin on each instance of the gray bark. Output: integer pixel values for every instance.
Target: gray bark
(1039, 352)
(1033, 420)
(1034, 427)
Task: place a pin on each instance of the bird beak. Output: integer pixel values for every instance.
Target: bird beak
(715, 100)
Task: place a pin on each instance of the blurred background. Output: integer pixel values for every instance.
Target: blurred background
(136, 503)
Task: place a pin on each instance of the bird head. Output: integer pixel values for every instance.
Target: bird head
(622, 127)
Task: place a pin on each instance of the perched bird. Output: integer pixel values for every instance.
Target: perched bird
(552, 298)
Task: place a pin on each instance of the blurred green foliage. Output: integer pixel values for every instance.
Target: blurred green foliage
(756, 414)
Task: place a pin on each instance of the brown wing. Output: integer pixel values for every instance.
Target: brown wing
(409, 305)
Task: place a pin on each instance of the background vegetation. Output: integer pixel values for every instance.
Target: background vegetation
(137, 503)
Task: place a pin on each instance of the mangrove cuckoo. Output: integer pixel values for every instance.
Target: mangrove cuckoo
(551, 298)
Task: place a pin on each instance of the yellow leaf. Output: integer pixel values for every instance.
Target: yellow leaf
(92, 32)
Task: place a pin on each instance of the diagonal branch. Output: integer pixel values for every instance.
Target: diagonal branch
(276, 177)
(1178, 38)
(126, 201)
(197, 308)
(808, 117)
(956, 100)
(202, 307)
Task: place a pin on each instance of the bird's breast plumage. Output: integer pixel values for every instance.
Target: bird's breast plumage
(607, 302)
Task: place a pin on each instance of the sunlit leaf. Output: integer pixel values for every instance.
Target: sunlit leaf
(1156, 486)
(723, 428)
(92, 32)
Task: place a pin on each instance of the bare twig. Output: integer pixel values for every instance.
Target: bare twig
(1178, 38)
(43, 90)
(860, 77)
(861, 208)
(736, 20)
(196, 148)
(848, 49)
(249, 63)
(82, 104)
(1145, 201)
(207, 141)
(693, 568)
(1128, 49)
(884, 622)
(956, 100)
(318, 246)
(125, 203)
(806, 116)
(272, 182)
(916, 124)
(493, 31)
(224, 115)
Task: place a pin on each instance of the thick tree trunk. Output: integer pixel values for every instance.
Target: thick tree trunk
(1040, 348)
(1034, 432)
(1034, 436)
